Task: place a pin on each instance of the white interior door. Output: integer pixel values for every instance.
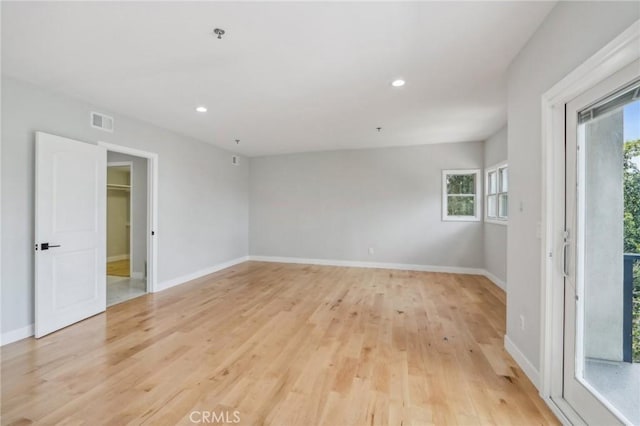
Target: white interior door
(599, 383)
(70, 232)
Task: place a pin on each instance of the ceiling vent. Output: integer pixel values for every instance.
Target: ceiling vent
(235, 160)
(102, 122)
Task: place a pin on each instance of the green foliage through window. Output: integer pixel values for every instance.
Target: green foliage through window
(632, 197)
(632, 229)
(461, 184)
(461, 206)
(461, 194)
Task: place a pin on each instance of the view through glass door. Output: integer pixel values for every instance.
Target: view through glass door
(602, 251)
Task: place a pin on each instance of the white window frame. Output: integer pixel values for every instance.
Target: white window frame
(477, 198)
(498, 220)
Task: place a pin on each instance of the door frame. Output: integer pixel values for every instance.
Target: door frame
(130, 165)
(617, 54)
(152, 208)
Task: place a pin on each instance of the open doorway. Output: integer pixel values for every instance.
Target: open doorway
(127, 213)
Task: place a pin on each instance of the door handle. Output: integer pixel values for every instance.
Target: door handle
(47, 246)
(565, 246)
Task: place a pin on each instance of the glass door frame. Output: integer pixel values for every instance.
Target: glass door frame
(613, 57)
(578, 392)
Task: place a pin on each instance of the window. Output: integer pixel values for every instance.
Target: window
(497, 197)
(460, 189)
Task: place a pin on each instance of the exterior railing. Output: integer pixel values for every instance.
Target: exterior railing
(628, 288)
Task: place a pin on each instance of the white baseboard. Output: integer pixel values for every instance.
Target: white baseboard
(118, 258)
(376, 265)
(532, 373)
(137, 275)
(381, 265)
(497, 281)
(201, 273)
(15, 335)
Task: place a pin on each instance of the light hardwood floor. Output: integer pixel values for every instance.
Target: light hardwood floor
(119, 268)
(284, 345)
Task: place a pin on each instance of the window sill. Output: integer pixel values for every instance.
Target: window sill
(497, 222)
(460, 219)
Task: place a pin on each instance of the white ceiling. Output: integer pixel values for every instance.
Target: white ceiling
(287, 77)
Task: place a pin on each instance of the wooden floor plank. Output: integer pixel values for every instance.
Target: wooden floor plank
(118, 268)
(281, 344)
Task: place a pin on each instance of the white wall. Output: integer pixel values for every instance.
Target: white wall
(335, 205)
(138, 210)
(495, 236)
(572, 32)
(203, 198)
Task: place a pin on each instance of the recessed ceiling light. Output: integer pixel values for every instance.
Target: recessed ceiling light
(397, 83)
(201, 109)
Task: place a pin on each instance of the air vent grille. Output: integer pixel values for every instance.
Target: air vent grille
(102, 122)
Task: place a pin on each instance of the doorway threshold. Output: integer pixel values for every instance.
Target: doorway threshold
(121, 289)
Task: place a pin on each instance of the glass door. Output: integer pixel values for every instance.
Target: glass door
(602, 241)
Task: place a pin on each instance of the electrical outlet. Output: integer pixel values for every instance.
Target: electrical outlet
(522, 322)
(370, 250)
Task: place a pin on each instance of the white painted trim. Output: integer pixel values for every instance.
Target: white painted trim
(152, 208)
(495, 168)
(498, 165)
(477, 217)
(18, 334)
(383, 265)
(201, 273)
(613, 57)
(565, 413)
(494, 279)
(117, 258)
(375, 265)
(532, 372)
